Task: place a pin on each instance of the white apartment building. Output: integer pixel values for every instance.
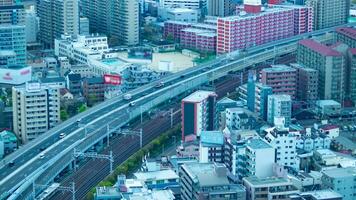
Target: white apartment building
(178, 14)
(259, 158)
(36, 109)
(285, 144)
(236, 118)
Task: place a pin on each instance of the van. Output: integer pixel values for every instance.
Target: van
(132, 104)
(62, 135)
(41, 156)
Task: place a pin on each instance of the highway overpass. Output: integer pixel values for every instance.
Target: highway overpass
(98, 123)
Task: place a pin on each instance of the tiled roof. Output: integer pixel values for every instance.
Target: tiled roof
(350, 32)
(320, 48)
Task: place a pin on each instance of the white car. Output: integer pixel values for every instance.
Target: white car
(62, 135)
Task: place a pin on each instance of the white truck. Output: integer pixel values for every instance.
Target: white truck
(127, 96)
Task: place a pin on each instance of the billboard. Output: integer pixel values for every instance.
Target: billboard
(112, 79)
(15, 76)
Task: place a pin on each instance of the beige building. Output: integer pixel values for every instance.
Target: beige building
(36, 109)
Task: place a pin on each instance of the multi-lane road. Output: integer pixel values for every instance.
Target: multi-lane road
(26, 159)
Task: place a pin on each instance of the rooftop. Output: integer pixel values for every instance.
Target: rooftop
(266, 182)
(340, 172)
(352, 51)
(245, 15)
(205, 174)
(320, 48)
(279, 68)
(212, 138)
(323, 194)
(280, 97)
(156, 175)
(199, 96)
(328, 102)
(350, 32)
(258, 144)
(52, 80)
(8, 135)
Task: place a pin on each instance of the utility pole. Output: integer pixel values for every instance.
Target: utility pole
(171, 117)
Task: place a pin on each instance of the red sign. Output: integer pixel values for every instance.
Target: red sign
(112, 79)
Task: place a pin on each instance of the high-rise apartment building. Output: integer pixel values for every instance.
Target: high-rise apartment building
(307, 83)
(234, 32)
(198, 113)
(329, 13)
(341, 180)
(57, 17)
(279, 106)
(351, 71)
(281, 78)
(36, 109)
(329, 63)
(191, 4)
(346, 35)
(12, 30)
(116, 18)
(220, 8)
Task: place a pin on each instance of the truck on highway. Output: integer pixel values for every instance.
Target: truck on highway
(127, 96)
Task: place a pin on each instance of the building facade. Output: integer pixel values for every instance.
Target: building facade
(279, 106)
(329, 63)
(281, 78)
(307, 83)
(36, 109)
(341, 180)
(57, 17)
(198, 113)
(219, 8)
(204, 181)
(329, 13)
(346, 35)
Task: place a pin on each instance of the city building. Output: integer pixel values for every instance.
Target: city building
(57, 17)
(221, 107)
(311, 141)
(12, 43)
(219, 8)
(279, 106)
(329, 13)
(84, 26)
(198, 114)
(172, 29)
(178, 14)
(269, 188)
(93, 90)
(260, 158)
(256, 96)
(237, 119)
(198, 39)
(120, 19)
(328, 107)
(285, 144)
(32, 26)
(281, 78)
(5, 116)
(318, 195)
(191, 4)
(283, 22)
(329, 63)
(307, 83)
(211, 147)
(74, 84)
(351, 71)
(346, 35)
(9, 141)
(341, 180)
(158, 179)
(208, 181)
(35, 110)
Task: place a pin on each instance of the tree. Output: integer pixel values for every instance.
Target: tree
(82, 108)
(64, 115)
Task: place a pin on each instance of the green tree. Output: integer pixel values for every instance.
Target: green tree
(82, 108)
(354, 1)
(64, 115)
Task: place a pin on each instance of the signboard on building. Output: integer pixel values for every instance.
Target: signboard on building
(140, 53)
(15, 76)
(112, 79)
